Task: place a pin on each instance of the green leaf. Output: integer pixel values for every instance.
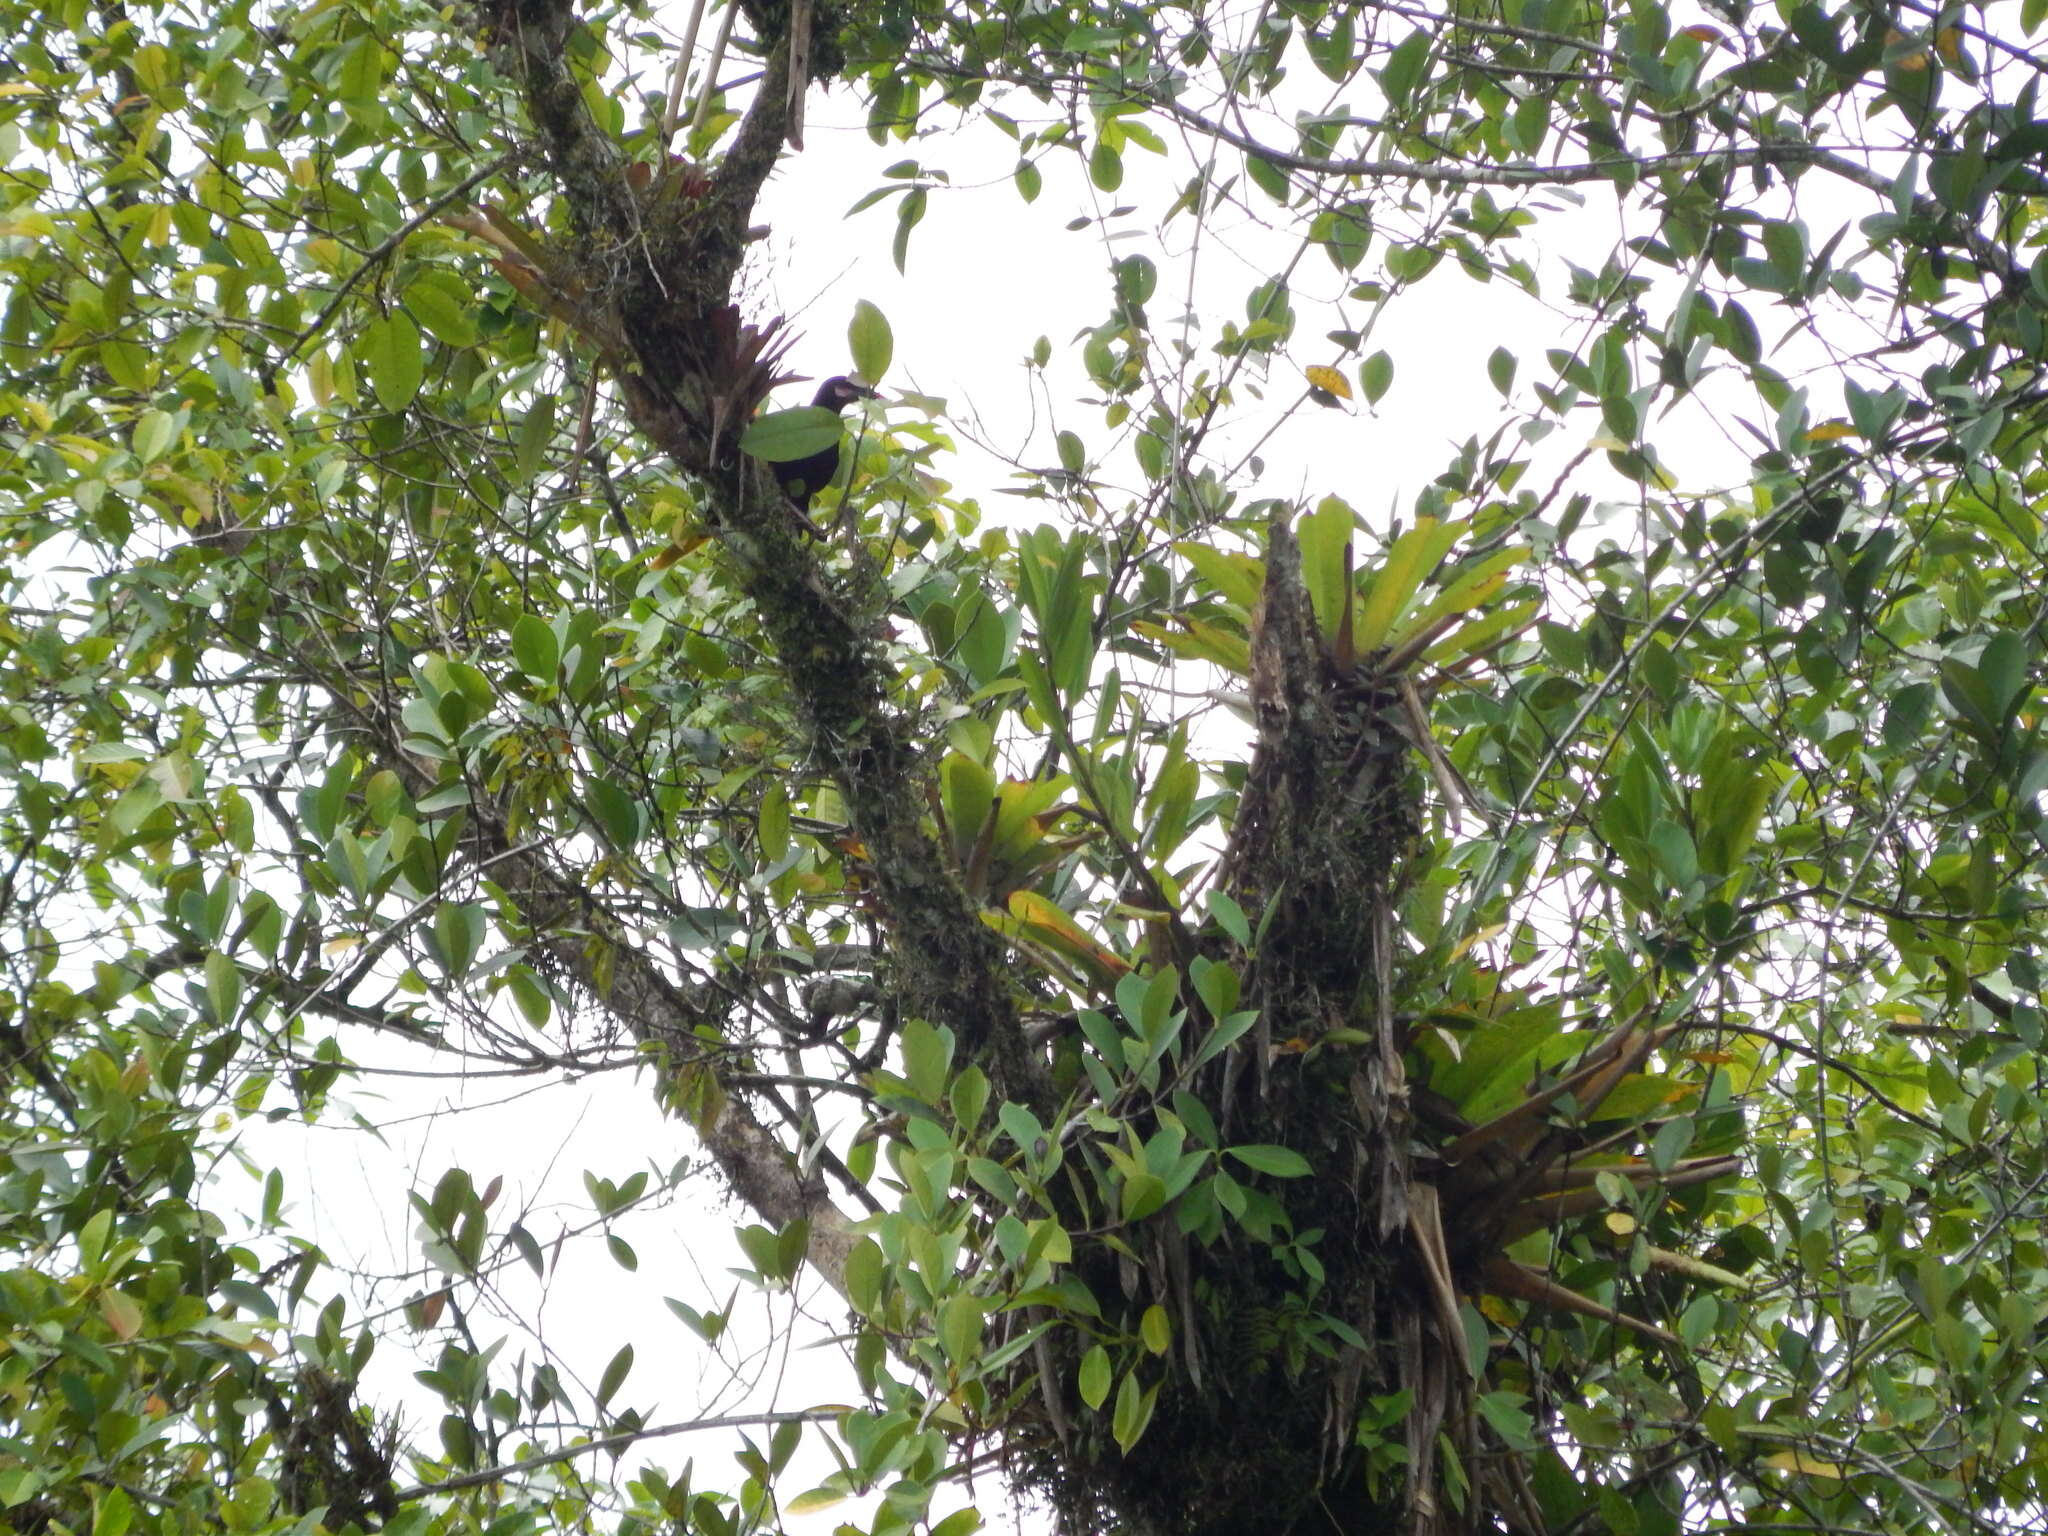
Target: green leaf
(1474, 586)
(529, 996)
(1500, 368)
(864, 1270)
(1345, 233)
(908, 212)
(1029, 181)
(960, 1324)
(223, 987)
(2007, 673)
(705, 927)
(116, 1514)
(360, 79)
(797, 433)
(1137, 278)
(871, 342)
(1268, 178)
(1324, 535)
(536, 436)
(1414, 557)
(1106, 166)
(390, 348)
(617, 813)
(1672, 845)
(155, 432)
(1729, 807)
(459, 934)
(1970, 695)
(968, 1097)
(1230, 918)
(763, 1248)
(927, 1058)
(1095, 1377)
(1155, 1329)
(772, 824)
(1280, 1162)
(1237, 576)
(128, 364)
(1673, 1137)
(1334, 52)
(1375, 376)
(1404, 67)
(1143, 1193)
(535, 648)
(1508, 1416)
(1134, 1405)
(614, 1376)
(1227, 1033)
(443, 303)
(967, 794)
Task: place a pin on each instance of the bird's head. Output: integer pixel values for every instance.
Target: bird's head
(838, 392)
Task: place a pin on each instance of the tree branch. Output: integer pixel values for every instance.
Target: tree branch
(948, 966)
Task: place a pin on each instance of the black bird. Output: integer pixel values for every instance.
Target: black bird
(803, 478)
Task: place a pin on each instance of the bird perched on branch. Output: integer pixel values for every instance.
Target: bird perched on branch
(803, 478)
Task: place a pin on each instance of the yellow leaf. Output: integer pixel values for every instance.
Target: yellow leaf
(320, 376)
(1897, 58)
(1050, 925)
(1799, 1461)
(1202, 642)
(674, 552)
(815, 1500)
(1479, 936)
(1328, 380)
(1473, 589)
(121, 1313)
(1237, 576)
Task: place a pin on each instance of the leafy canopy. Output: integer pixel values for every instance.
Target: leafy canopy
(1562, 1055)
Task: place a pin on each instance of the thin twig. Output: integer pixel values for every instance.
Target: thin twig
(672, 114)
(703, 113)
(377, 257)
